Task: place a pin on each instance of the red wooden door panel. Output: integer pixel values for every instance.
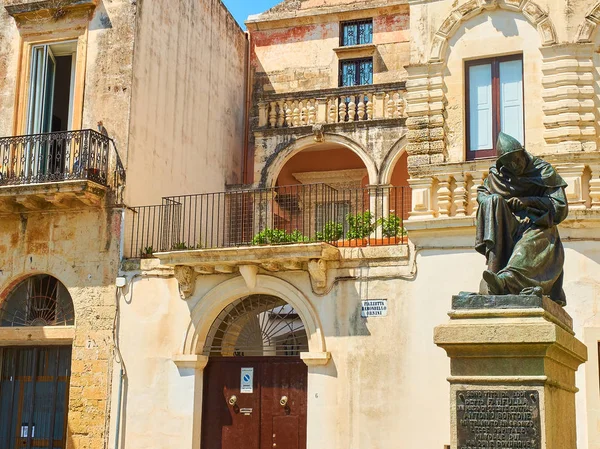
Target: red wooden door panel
(225, 425)
(257, 420)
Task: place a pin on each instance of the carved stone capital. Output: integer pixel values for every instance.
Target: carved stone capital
(186, 276)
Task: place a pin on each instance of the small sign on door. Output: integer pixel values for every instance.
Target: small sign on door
(247, 380)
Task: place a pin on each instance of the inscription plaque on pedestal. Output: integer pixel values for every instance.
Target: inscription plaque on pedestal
(498, 419)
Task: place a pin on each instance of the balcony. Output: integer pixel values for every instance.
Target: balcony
(356, 104)
(58, 169)
(281, 216)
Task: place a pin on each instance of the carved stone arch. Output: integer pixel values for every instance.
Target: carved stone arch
(534, 13)
(273, 168)
(212, 304)
(588, 27)
(390, 160)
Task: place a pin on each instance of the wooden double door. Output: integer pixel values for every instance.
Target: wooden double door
(254, 403)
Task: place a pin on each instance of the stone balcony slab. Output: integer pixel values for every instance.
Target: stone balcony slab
(51, 195)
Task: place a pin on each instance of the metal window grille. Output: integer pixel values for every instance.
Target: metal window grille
(356, 72)
(359, 32)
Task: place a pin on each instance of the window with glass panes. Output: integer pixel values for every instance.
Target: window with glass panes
(494, 103)
(359, 32)
(356, 72)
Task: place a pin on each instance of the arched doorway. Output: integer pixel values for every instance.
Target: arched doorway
(255, 384)
(34, 380)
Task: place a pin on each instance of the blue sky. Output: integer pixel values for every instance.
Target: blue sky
(241, 9)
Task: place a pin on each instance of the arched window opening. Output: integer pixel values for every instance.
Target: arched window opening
(257, 325)
(40, 300)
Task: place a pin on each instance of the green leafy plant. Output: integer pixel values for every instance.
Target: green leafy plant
(179, 246)
(331, 232)
(392, 226)
(360, 225)
(147, 252)
(278, 236)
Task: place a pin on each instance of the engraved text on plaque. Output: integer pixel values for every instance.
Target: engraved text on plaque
(498, 419)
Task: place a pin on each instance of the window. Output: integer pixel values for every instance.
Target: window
(336, 211)
(356, 72)
(494, 103)
(358, 32)
(51, 85)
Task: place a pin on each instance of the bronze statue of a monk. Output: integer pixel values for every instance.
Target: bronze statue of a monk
(520, 205)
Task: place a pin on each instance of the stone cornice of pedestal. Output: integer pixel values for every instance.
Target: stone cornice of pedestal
(510, 327)
(315, 358)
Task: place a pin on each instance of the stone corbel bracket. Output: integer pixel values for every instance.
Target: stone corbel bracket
(317, 269)
(186, 276)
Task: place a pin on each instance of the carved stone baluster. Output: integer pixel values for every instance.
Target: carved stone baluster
(342, 112)
(460, 195)
(476, 180)
(399, 106)
(361, 107)
(296, 114)
(273, 114)
(288, 114)
(352, 109)
(280, 114)
(391, 106)
(332, 111)
(444, 195)
(595, 186)
(303, 113)
(370, 107)
(312, 112)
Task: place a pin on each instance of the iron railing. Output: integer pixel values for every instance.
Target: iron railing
(369, 216)
(57, 156)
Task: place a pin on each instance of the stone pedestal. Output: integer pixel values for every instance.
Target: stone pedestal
(513, 364)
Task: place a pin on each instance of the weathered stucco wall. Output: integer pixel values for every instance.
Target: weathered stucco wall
(187, 117)
(292, 56)
(78, 248)
(386, 382)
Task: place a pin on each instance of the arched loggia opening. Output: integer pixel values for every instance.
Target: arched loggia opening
(255, 382)
(34, 380)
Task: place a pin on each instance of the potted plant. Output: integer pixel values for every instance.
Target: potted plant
(332, 232)
(278, 236)
(360, 227)
(392, 230)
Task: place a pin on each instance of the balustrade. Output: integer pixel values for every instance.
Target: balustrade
(343, 105)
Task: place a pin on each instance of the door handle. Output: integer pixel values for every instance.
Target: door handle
(283, 401)
(232, 400)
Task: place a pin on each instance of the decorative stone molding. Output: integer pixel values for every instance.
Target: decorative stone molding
(589, 25)
(569, 98)
(55, 8)
(334, 178)
(197, 362)
(315, 358)
(186, 276)
(317, 268)
(319, 132)
(249, 273)
(537, 16)
(425, 109)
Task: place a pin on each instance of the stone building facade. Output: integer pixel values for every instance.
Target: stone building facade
(83, 128)
(368, 98)
(299, 208)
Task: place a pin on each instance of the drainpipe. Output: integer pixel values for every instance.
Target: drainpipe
(246, 179)
(119, 405)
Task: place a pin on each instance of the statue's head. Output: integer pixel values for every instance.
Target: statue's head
(511, 154)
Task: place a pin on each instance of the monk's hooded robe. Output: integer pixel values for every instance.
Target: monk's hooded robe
(524, 248)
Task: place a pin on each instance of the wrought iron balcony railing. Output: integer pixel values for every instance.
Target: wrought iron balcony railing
(339, 105)
(58, 156)
(369, 216)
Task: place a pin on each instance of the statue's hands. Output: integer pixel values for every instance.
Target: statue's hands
(516, 204)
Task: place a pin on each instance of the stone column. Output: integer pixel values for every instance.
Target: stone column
(513, 361)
